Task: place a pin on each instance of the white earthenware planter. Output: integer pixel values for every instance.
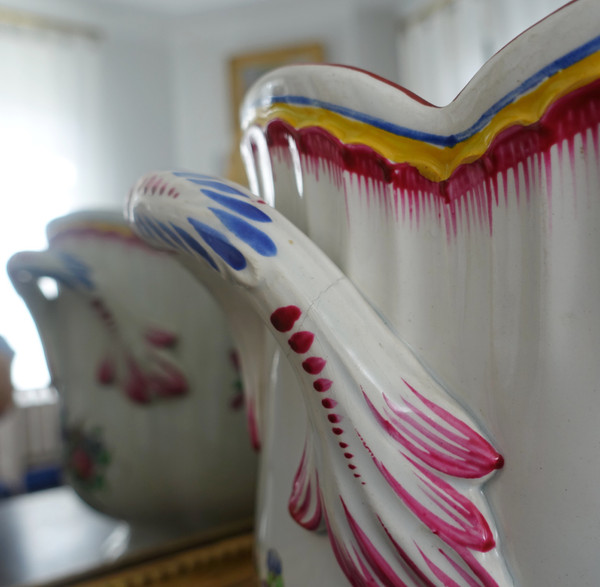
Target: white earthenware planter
(141, 356)
(437, 299)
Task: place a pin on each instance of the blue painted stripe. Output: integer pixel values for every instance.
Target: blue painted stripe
(140, 224)
(195, 245)
(219, 244)
(219, 185)
(171, 235)
(189, 174)
(77, 269)
(251, 235)
(158, 234)
(549, 70)
(209, 181)
(242, 208)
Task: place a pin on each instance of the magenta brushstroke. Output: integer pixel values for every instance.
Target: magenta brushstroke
(463, 573)
(467, 455)
(411, 565)
(314, 365)
(253, 426)
(161, 338)
(322, 384)
(170, 383)
(300, 342)
(358, 577)
(442, 576)
(136, 384)
(284, 318)
(377, 562)
(472, 530)
(106, 371)
(303, 495)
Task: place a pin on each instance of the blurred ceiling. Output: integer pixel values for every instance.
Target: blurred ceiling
(178, 7)
(183, 7)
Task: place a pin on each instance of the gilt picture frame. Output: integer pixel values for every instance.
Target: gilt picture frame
(246, 68)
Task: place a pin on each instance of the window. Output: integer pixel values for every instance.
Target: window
(48, 147)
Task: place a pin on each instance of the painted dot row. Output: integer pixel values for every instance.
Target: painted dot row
(283, 320)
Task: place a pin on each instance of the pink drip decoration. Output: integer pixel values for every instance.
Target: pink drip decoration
(157, 185)
(314, 365)
(304, 494)
(169, 382)
(472, 189)
(283, 319)
(141, 386)
(377, 562)
(106, 372)
(253, 427)
(355, 570)
(161, 338)
(322, 384)
(300, 342)
(136, 384)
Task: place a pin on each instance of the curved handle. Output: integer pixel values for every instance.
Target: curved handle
(388, 445)
(25, 269)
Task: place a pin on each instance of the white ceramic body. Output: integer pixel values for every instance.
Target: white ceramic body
(175, 450)
(497, 289)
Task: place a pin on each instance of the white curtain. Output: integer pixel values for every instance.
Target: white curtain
(48, 151)
(443, 44)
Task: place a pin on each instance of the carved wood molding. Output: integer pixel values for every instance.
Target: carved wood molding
(226, 563)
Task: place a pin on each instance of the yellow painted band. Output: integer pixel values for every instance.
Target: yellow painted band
(94, 226)
(433, 162)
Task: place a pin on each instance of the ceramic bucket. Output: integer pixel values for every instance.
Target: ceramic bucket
(431, 419)
(152, 406)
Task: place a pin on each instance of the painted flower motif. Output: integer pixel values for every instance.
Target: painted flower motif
(86, 457)
(274, 568)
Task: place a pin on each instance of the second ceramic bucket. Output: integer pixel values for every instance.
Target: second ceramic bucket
(152, 406)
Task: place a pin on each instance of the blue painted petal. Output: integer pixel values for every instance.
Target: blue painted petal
(251, 235)
(171, 235)
(195, 245)
(219, 185)
(191, 174)
(219, 244)
(242, 208)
